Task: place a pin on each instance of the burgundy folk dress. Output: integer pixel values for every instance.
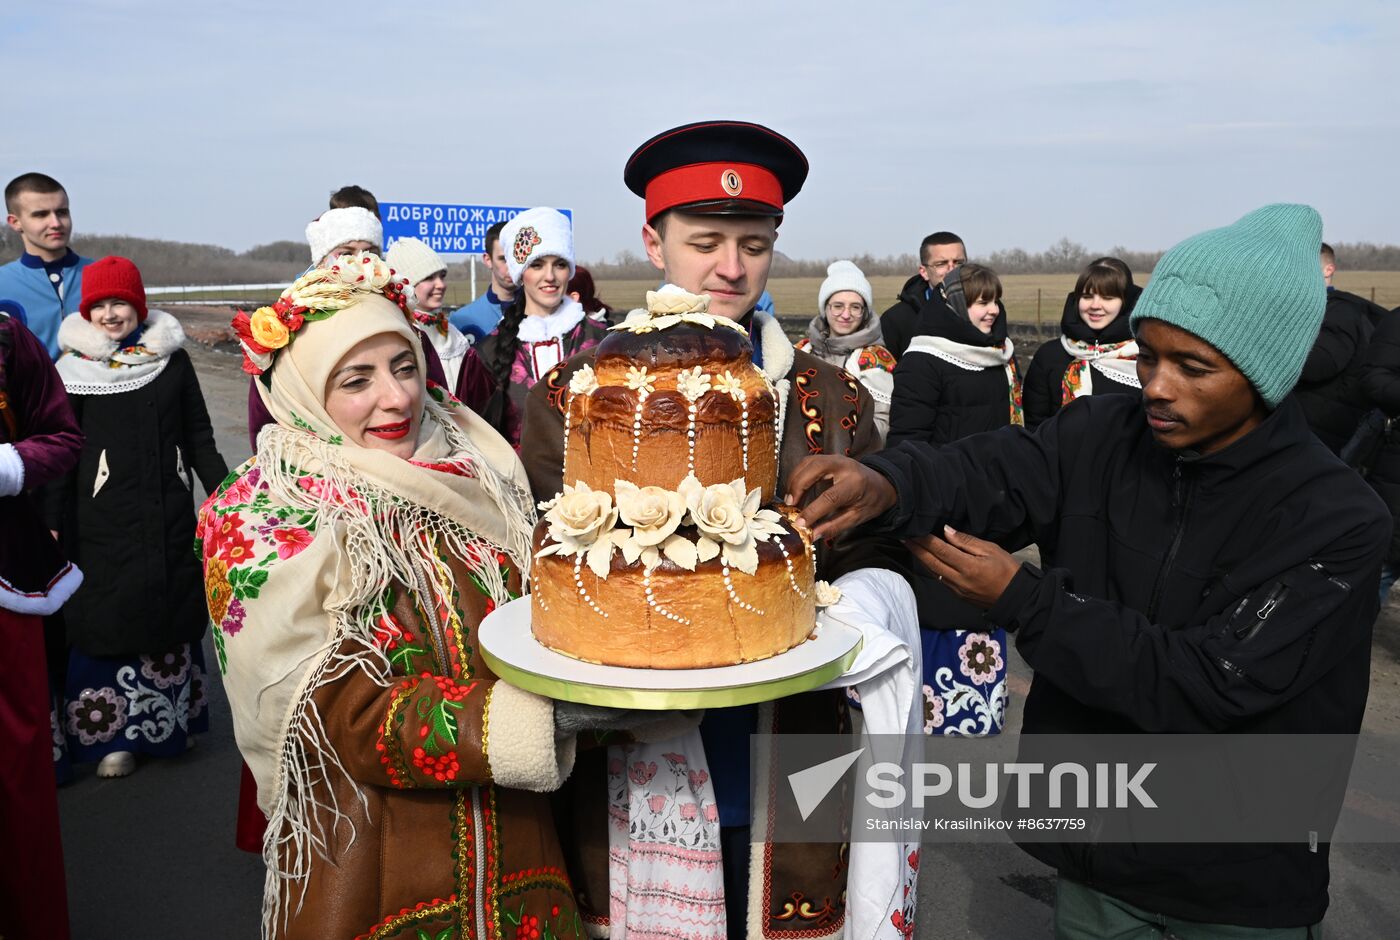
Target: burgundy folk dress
(39, 442)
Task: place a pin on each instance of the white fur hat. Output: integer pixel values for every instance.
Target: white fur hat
(537, 233)
(412, 258)
(844, 275)
(335, 227)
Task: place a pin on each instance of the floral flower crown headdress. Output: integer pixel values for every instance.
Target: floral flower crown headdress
(315, 295)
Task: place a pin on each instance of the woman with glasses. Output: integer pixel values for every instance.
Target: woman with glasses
(846, 333)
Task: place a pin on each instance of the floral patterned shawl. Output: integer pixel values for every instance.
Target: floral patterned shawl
(301, 545)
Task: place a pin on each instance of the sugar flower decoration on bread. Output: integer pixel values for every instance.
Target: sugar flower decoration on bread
(827, 594)
(584, 381)
(643, 521)
(671, 305)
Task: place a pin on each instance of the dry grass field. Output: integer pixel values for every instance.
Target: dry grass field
(798, 295)
(1025, 293)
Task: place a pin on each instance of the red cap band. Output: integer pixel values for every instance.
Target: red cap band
(713, 182)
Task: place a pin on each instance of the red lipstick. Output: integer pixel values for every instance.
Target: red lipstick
(390, 432)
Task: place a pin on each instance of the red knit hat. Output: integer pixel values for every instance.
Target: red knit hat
(112, 278)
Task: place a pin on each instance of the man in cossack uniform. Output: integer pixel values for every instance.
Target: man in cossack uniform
(715, 194)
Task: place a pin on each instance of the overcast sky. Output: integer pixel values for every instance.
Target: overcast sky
(1011, 123)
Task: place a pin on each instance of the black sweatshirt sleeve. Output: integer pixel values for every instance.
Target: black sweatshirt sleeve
(1002, 485)
(1281, 637)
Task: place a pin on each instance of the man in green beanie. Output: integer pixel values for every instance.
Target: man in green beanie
(1218, 565)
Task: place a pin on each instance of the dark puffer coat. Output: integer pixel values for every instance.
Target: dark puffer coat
(938, 402)
(898, 323)
(1374, 312)
(1044, 383)
(1380, 379)
(126, 515)
(1330, 389)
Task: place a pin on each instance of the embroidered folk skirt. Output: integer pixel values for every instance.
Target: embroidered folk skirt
(964, 684)
(147, 704)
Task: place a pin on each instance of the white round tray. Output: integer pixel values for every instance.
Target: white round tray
(513, 653)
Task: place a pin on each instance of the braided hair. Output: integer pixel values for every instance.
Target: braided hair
(507, 339)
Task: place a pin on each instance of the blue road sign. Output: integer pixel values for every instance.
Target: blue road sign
(448, 229)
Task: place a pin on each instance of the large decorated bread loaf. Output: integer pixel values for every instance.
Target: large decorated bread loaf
(664, 549)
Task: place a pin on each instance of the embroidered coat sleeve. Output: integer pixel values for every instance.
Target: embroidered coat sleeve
(838, 419)
(436, 726)
(433, 731)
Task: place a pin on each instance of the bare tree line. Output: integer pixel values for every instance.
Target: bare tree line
(1063, 257)
(169, 262)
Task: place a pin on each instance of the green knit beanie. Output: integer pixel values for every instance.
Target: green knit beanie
(1253, 290)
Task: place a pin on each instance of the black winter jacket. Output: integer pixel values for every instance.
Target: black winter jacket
(939, 402)
(143, 589)
(897, 323)
(1380, 379)
(1374, 312)
(1161, 551)
(1044, 383)
(1330, 388)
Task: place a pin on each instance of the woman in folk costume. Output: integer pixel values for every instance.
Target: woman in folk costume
(135, 681)
(958, 378)
(347, 568)
(846, 333)
(1096, 353)
(543, 325)
(426, 272)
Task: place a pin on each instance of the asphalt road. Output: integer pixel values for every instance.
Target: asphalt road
(152, 855)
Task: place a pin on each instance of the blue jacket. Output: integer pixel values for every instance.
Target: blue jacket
(479, 317)
(27, 283)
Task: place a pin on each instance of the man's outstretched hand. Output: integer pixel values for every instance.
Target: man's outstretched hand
(975, 570)
(857, 494)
